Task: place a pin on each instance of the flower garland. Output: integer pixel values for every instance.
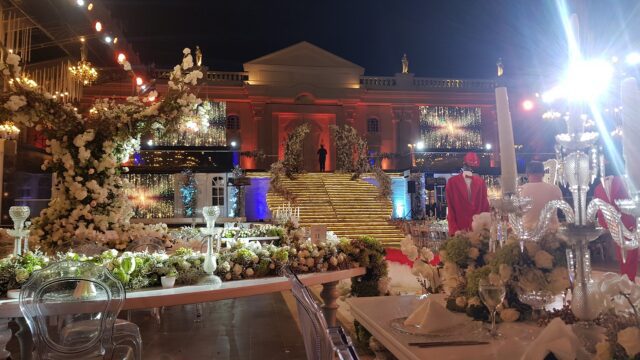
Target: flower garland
(86, 151)
(138, 270)
(384, 183)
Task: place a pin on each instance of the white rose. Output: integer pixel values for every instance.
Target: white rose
(505, 272)
(461, 301)
(532, 248)
(249, 272)
(509, 315)
(543, 260)
(604, 351)
(13, 59)
(629, 338)
(474, 253)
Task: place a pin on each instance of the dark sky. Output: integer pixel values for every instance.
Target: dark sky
(457, 38)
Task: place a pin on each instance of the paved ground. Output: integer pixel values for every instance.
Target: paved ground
(258, 327)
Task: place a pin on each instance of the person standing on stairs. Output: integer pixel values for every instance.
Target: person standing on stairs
(322, 157)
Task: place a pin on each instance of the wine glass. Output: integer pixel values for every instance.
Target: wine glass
(492, 295)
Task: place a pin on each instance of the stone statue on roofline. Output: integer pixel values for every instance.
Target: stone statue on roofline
(198, 56)
(405, 64)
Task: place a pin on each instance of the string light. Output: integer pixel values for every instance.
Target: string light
(90, 7)
(121, 58)
(139, 81)
(80, 2)
(108, 39)
(98, 26)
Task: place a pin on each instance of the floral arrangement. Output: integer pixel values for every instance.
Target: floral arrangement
(240, 261)
(87, 150)
(384, 183)
(256, 231)
(293, 161)
(467, 260)
(621, 301)
(351, 150)
(427, 273)
(345, 138)
(276, 185)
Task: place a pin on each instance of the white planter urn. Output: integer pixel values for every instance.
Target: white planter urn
(168, 281)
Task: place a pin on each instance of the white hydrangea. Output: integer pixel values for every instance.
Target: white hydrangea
(15, 102)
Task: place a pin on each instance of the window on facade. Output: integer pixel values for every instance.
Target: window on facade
(373, 126)
(233, 122)
(217, 191)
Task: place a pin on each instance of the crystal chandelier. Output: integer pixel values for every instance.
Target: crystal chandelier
(83, 71)
(8, 131)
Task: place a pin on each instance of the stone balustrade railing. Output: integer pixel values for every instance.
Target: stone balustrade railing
(390, 82)
(367, 82)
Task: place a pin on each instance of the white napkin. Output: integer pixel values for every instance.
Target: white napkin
(431, 317)
(556, 338)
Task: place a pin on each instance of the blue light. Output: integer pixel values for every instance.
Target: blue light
(256, 207)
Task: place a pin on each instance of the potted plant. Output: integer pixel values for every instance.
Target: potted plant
(169, 280)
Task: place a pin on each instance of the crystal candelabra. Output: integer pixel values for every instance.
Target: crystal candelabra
(283, 214)
(210, 214)
(19, 215)
(579, 159)
(503, 207)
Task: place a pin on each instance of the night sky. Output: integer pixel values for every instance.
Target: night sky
(444, 38)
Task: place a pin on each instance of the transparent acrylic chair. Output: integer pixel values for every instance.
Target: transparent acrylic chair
(321, 342)
(71, 309)
(150, 245)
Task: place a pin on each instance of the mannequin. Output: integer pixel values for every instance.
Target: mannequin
(466, 196)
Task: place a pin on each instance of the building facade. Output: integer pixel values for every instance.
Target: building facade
(304, 83)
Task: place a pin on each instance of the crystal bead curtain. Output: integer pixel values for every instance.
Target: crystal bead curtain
(206, 128)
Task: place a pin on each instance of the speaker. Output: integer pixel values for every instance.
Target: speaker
(411, 187)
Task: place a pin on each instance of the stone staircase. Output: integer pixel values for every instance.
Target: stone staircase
(348, 208)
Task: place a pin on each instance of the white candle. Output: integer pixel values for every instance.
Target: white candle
(507, 149)
(630, 129)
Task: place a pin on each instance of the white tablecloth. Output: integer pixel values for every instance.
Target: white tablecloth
(376, 313)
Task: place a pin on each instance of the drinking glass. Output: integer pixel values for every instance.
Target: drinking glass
(492, 295)
(537, 299)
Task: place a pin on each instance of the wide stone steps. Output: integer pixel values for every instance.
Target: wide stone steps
(348, 208)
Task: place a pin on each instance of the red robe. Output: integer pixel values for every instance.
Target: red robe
(461, 208)
(618, 191)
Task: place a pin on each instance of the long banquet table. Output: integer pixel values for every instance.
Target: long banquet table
(376, 313)
(193, 294)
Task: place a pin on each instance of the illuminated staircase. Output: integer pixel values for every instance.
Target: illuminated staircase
(348, 208)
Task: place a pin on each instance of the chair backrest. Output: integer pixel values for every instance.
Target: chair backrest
(90, 249)
(69, 293)
(313, 325)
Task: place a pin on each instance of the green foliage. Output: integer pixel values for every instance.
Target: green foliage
(368, 252)
(457, 250)
(474, 277)
(351, 150)
(293, 162)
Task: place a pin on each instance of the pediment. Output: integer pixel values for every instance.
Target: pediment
(304, 54)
